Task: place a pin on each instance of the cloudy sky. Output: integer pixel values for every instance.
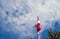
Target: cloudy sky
(18, 18)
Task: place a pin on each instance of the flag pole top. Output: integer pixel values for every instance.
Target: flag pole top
(38, 19)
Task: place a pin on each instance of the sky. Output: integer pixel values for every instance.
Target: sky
(18, 18)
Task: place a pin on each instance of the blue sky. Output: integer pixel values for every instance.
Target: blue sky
(18, 18)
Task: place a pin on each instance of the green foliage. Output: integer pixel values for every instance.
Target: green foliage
(53, 35)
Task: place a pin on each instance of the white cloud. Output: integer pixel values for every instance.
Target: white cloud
(49, 11)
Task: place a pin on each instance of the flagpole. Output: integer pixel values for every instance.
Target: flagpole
(38, 26)
(38, 35)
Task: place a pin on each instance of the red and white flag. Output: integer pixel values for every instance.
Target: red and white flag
(38, 26)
